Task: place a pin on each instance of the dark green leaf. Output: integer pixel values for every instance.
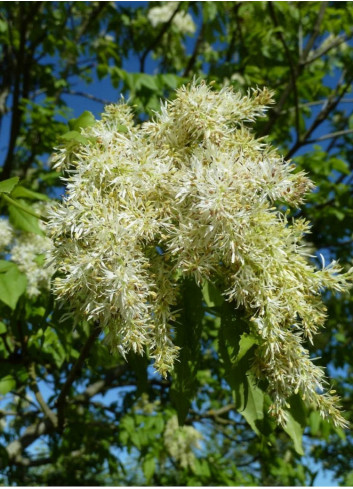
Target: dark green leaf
(6, 186)
(86, 119)
(188, 336)
(26, 193)
(212, 295)
(74, 136)
(295, 431)
(12, 285)
(149, 466)
(6, 265)
(20, 219)
(7, 383)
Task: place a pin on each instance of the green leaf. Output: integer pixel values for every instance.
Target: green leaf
(20, 191)
(6, 265)
(74, 136)
(6, 186)
(188, 336)
(7, 383)
(340, 165)
(22, 220)
(245, 344)
(249, 399)
(235, 348)
(86, 119)
(3, 328)
(139, 364)
(171, 81)
(12, 285)
(149, 466)
(149, 81)
(212, 295)
(295, 431)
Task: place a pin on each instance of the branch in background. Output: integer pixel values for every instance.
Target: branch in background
(28, 462)
(88, 95)
(17, 95)
(44, 427)
(44, 406)
(316, 32)
(298, 70)
(337, 42)
(193, 57)
(293, 70)
(158, 38)
(331, 104)
(329, 136)
(73, 374)
(30, 435)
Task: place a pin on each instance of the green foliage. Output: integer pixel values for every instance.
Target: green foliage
(12, 286)
(6, 186)
(103, 420)
(187, 338)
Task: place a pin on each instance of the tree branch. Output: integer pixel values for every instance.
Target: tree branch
(158, 38)
(316, 32)
(88, 96)
(293, 70)
(44, 426)
(329, 136)
(44, 406)
(298, 70)
(331, 104)
(337, 42)
(61, 401)
(193, 57)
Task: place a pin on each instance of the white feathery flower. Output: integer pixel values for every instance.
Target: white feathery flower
(182, 20)
(180, 441)
(190, 194)
(28, 252)
(6, 233)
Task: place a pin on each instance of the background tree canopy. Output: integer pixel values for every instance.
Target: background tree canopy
(71, 412)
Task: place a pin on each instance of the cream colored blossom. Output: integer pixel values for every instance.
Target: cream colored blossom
(6, 233)
(191, 194)
(182, 20)
(29, 251)
(181, 441)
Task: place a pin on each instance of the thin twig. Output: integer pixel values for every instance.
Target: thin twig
(23, 208)
(293, 70)
(88, 95)
(158, 38)
(337, 42)
(298, 70)
(329, 136)
(44, 406)
(74, 372)
(331, 104)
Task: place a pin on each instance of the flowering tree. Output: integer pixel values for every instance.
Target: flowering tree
(180, 276)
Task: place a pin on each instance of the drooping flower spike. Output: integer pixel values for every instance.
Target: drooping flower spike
(191, 194)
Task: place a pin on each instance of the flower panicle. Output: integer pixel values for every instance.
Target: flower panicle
(192, 194)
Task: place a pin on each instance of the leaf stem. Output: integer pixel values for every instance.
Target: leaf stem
(23, 208)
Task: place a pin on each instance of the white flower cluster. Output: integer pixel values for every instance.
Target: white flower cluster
(182, 20)
(28, 251)
(180, 441)
(6, 234)
(191, 194)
